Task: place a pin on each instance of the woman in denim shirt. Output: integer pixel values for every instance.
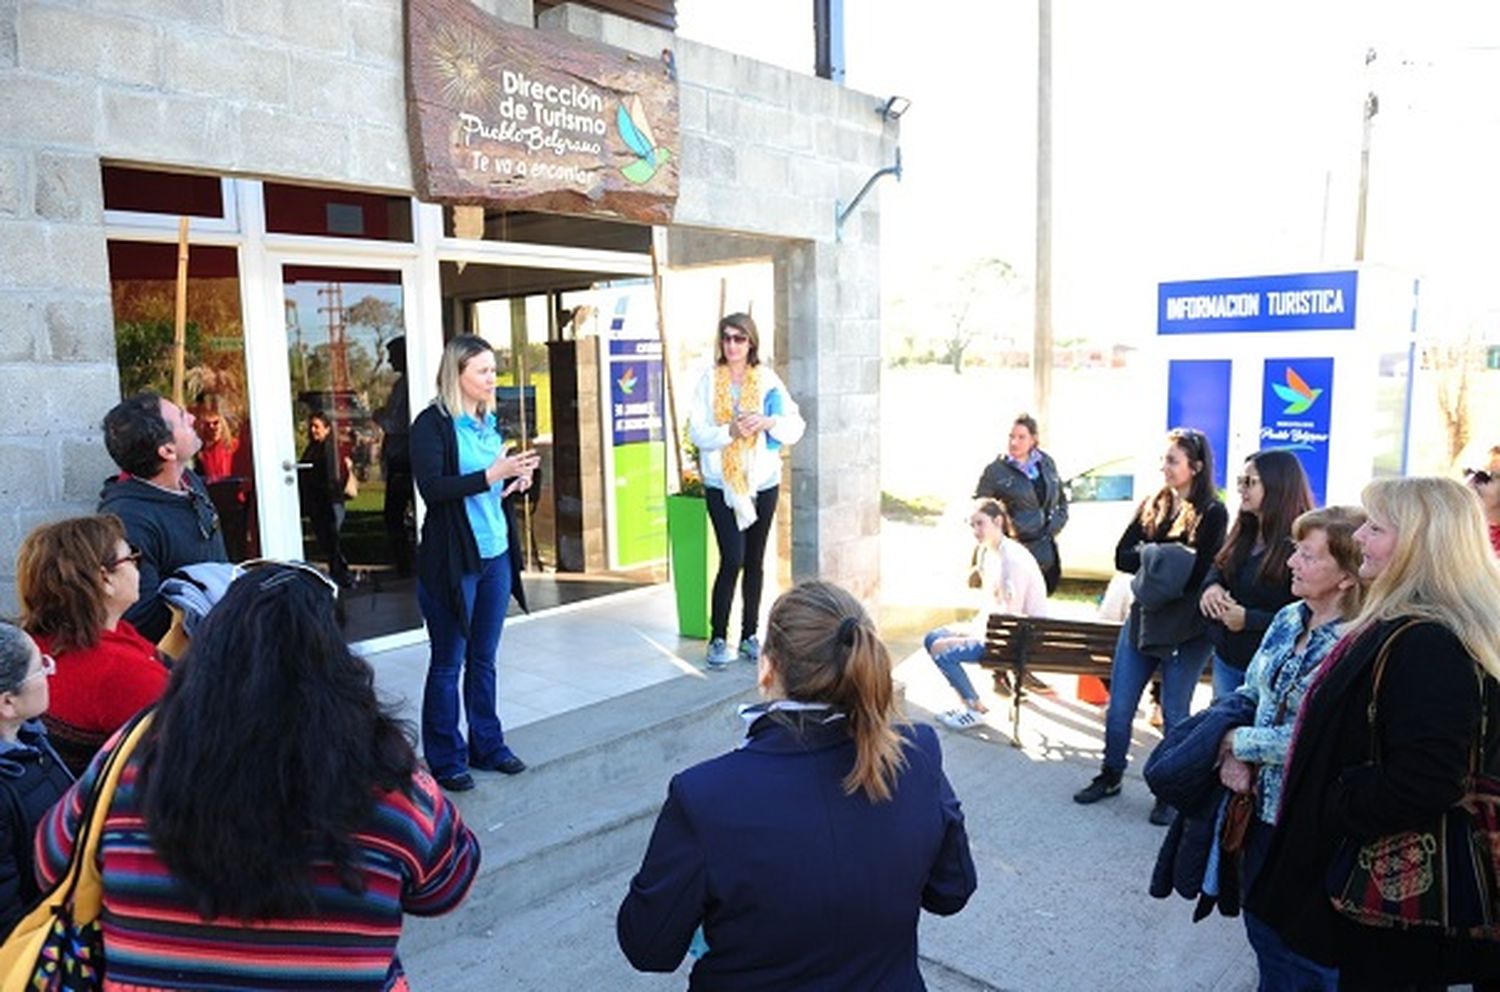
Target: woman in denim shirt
(1325, 577)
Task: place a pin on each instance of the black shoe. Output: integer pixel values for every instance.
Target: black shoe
(462, 782)
(507, 763)
(1104, 785)
(1002, 684)
(1162, 814)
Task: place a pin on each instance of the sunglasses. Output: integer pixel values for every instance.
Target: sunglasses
(1479, 476)
(278, 572)
(134, 557)
(1246, 481)
(49, 667)
(735, 338)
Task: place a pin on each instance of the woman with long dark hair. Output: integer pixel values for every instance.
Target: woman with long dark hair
(1170, 544)
(1249, 580)
(741, 417)
(272, 826)
(76, 578)
(806, 854)
(1386, 757)
(468, 561)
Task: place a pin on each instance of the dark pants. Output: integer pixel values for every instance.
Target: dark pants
(1281, 968)
(398, 497)
(487, 594)
(740, 550)
(327, 520)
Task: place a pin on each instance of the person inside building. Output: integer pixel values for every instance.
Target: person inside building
(1249, 580)
(1006, 579)
(803, 857)
(1324, 565)
(1025, 481)
(277, 824)
(1169, 545)
(1400, 718)
(394, 420)
(468, 561)
(225, 466)
(76, 580)
(32, 776)
(324, 484)
(165, 508)
(1486, 485)
(740, 420)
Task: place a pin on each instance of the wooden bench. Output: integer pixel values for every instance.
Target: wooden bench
(1015, 645)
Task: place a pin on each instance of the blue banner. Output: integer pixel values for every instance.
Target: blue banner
(1198, 397)
(1311, 301)
(636, 391)
(1294, 414)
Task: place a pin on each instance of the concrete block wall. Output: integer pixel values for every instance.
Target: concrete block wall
(313, 90)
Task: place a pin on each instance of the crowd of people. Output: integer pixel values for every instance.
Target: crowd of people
(1354, 654)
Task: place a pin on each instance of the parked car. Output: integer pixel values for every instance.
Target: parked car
(1100, 502)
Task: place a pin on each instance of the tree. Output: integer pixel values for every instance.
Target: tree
(978, 290)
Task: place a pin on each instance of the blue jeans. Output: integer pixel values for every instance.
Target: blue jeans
(950, 662)
(1281, 968)
(1227, 678)
(487, 594)
(1128, 674)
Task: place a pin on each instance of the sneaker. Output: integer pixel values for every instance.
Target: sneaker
(718, 653)
(960, 719)
(1104, 785)
(1162, 814)
(462, 782)
(750, 649)
(1002, 684)
(1036, 685)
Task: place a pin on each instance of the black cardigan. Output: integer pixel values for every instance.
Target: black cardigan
(1426, 718)
(1037, 520)
(448, 551)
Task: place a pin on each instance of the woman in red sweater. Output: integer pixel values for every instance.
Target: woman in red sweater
(76, 578)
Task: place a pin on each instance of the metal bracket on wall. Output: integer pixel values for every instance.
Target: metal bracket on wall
(841, 213)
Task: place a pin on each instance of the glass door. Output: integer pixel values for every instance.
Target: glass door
(345, 498)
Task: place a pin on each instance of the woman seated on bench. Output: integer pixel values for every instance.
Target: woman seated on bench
(1008, 581)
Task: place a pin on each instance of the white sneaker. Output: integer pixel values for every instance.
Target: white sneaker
(750, 649)
(718, 653)
(964, 719)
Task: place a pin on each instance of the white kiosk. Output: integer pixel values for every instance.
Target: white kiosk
(1320, 363)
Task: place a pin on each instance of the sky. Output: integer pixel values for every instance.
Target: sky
(1190, 140)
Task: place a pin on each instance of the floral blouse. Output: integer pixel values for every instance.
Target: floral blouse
(1277, 679)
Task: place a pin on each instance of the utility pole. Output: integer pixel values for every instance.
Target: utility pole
(1041, 354)
(1372, 107)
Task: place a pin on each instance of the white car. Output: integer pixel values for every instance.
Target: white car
(1100, 502)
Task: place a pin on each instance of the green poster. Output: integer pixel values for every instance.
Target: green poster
(640, 503)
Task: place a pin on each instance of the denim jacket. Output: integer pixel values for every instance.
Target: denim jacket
(1277, 679)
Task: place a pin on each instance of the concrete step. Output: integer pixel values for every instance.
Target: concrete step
(585, 806)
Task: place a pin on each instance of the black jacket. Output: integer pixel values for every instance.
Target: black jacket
(32, 779)
(448, 551)
(1261, 600)
(170, 530)
(1037, 521)
(1427, 715)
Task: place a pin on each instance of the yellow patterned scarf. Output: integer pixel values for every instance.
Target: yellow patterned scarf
(740, 450)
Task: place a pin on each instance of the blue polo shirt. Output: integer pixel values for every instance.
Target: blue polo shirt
(479, 444)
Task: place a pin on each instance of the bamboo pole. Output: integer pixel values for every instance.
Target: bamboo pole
(179, 323)
(659, 235)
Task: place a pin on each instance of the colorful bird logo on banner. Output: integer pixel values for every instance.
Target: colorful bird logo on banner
(1299, 396)
(636, 132)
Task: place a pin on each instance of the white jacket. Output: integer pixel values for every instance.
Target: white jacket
(710, 438)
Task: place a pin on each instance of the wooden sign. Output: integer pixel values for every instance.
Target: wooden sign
(526, 120)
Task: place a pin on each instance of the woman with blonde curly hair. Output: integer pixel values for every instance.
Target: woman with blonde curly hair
(75, 579)
(1433, 613)
(806, 854)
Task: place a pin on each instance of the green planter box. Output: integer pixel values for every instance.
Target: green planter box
(695, 559)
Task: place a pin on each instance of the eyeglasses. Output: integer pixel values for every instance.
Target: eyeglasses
(134, 557)
(1246, 481)
(280, 572)
(49, 667)
(1478, 476)
(735, 338)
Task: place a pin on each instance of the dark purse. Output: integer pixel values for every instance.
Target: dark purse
(1444, 878)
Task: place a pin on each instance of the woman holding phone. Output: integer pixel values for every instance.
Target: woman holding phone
(741, 417)
(468, 561)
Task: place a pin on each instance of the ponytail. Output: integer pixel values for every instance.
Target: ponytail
(826, 650)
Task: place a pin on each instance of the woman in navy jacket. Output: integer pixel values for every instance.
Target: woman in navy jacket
(805, 854)
(468, 561)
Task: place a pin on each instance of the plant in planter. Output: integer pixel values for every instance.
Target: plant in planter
(694, 552)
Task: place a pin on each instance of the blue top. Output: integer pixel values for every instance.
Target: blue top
(1277, 680)
(796, 883)
(479, 444)
(1030, 465)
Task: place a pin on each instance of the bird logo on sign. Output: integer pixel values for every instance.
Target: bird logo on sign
(1299, 396)
(635, 130)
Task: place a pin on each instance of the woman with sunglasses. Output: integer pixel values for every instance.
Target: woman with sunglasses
(1185, 514)
(740, 419)
(75, 579)
(272, 826)
(32, 776)
(468, 561)
(1249, 580)
(1486, 485)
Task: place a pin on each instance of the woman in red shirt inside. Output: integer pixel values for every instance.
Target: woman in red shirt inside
(76, 578)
